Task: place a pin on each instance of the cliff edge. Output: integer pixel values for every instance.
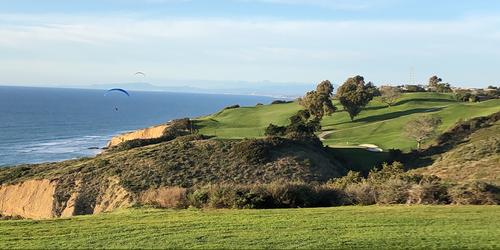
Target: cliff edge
(141, 134)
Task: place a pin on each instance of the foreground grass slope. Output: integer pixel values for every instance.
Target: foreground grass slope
(341, 227)
(377, 124)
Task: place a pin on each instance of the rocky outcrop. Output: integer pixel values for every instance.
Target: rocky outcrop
(29, 199)
(147, 133)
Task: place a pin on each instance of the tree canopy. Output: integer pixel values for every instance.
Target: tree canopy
(422, 128)
(389, 94)
(354, 95)
(434, 81)
(318, 102)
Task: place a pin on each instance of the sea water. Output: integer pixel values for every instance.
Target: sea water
(54, 124)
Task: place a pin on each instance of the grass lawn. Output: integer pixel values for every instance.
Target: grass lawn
(384, 126)
(339, 227)
(376, 124)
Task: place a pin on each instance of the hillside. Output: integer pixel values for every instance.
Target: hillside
(476, 156)
(122, 175)
(377, 124)
(118, 178)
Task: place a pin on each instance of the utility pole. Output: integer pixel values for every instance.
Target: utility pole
(412, 76)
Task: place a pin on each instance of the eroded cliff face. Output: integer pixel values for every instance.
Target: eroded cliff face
(30, 199)
(35, 199)
(114, 196)
(147, 133)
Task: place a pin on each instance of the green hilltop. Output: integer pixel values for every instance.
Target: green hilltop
(377, 124)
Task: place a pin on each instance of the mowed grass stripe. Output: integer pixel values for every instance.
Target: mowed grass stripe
(339, 227)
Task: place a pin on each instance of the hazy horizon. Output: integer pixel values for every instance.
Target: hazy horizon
(251, 41)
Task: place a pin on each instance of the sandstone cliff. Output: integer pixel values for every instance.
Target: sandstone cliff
(29, 199)
(36, 199)
(147, 133)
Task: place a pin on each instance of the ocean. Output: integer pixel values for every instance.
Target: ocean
(53, 124)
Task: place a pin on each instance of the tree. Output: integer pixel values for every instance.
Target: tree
(434, 81)
(274, 130)
(422, 128)
(443, 88)
(300, 126)
(354, 95)
(318, 102)
(373, 89)
(389, 94)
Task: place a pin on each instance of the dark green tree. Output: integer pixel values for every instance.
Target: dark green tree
(318, 102)
(274, 130)
(443, 88)
(434, 81)
(373, 89)
(354, 95)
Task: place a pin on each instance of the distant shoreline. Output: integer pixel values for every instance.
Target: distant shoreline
(290, 97)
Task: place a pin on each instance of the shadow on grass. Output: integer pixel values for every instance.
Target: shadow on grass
(388, 116)
(376, 107)
(198, 124)
(423, 100)
(360, 159)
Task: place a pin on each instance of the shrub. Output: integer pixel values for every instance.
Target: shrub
(385, 173)
(256, 196)
(232, 106)
(475, 193)
(273, 195)
(274, 130)
(429, 190)
(165, 197)
(221, 196)
(198, 198)
(393, 191)
(291, 194)
(362, 193)
(280, 102)
(352, 177)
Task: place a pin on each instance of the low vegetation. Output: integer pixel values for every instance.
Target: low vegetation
(388, 185)
(468, 151)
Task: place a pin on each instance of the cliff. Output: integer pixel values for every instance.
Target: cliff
(38, 199)
(29, 199)
(147, 133)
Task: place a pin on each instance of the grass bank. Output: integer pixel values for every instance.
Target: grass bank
(339, 227)
(376, 124)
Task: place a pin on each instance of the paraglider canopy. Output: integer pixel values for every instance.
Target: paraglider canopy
(118, 90)
(140, 73)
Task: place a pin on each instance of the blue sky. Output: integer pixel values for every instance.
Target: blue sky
(103, 41)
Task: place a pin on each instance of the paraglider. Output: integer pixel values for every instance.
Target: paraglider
(117, 90)
(140, 73)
